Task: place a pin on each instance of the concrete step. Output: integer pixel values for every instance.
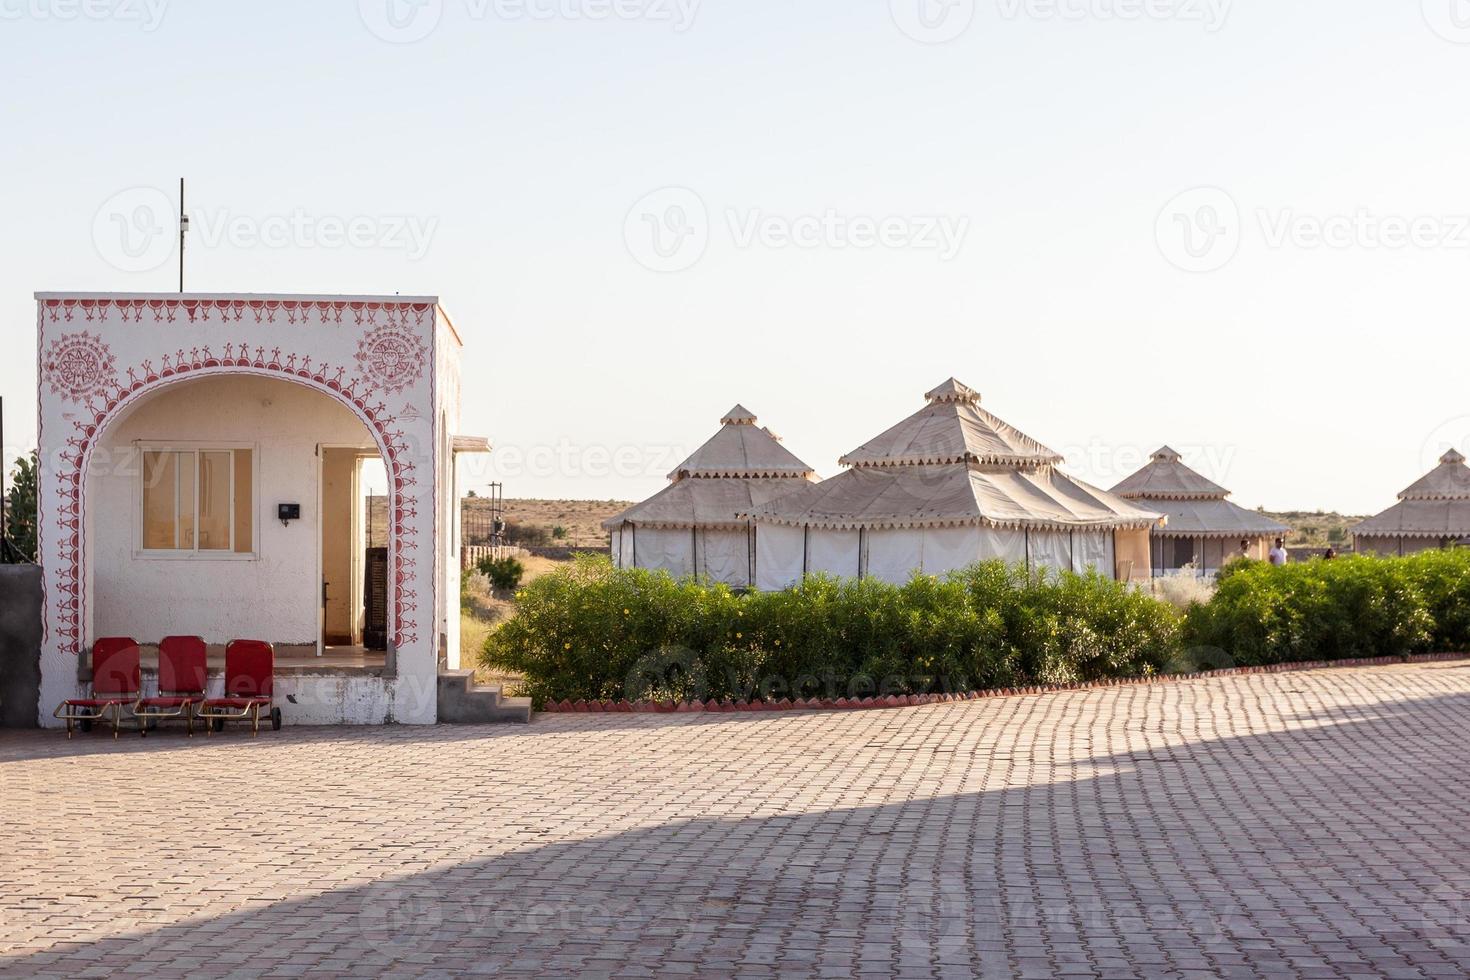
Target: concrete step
(463, 702)
(511, 711)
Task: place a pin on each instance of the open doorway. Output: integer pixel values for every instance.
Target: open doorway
(351, 476)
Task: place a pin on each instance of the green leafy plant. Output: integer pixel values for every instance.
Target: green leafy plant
(505, 574)
(20, 513)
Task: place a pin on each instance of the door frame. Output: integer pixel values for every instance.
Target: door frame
(355, 583)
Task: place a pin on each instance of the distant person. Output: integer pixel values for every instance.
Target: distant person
(1245, 550)
(1331, 554)
(1278, 554)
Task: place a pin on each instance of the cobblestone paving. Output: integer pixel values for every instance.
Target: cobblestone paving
(1309, 825)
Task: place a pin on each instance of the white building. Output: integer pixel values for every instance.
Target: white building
(204, 460)
(694, 526)
(947, 487)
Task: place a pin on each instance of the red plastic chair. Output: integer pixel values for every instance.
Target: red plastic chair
(250, 669)
(116, 684)
(182, 675)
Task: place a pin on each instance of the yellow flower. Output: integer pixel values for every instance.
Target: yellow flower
(567, 646)
(627, 612)
(778, 643)
(739, 636)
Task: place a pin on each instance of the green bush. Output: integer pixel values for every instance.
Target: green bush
(505, 574)
(597, 633)
(1333, 610)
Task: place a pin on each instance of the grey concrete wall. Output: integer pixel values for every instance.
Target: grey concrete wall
(20, 645)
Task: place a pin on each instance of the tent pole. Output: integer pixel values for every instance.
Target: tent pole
(750, 552)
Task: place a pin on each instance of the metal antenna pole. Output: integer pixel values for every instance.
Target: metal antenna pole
(183, 230)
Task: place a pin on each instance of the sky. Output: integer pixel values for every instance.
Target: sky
(1239, 228)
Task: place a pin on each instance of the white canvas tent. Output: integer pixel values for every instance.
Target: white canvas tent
(1204, 528)
(1433, 513)
(695, 526)
(949, 486)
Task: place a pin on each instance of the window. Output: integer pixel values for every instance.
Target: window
(198, 501)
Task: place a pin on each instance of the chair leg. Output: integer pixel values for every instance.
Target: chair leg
(68, 726)
(255, 722)
(116, 719)
(189, 719)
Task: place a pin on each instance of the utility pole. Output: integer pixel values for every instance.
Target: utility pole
(4, 501)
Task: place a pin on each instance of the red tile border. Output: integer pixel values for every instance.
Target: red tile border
(918, 700)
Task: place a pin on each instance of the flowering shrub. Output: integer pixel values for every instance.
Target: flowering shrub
(1332, 610)
(593, 632)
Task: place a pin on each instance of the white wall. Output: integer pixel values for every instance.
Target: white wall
(274, 597)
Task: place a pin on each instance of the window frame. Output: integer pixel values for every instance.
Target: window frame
(195, 554)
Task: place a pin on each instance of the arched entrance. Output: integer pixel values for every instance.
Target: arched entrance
(185, 502)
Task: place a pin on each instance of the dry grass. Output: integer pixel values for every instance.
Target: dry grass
(482, 610)
(1183, 589)
(580, 519)
(1317, 529)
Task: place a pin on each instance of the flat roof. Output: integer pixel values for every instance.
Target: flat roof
(270, 297)
(317, 297)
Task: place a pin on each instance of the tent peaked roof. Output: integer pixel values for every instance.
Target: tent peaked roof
(707, 503)
(951, 495)
(1450, 480)
(741, 449)
(1437, 506)
(952, 428)
(1167, 478)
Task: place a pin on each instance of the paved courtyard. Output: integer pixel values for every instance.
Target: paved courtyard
(1309, 824)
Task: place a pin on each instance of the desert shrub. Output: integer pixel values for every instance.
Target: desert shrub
(505, 574)
(598, 633)
(528, 535)
(1347, 608)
